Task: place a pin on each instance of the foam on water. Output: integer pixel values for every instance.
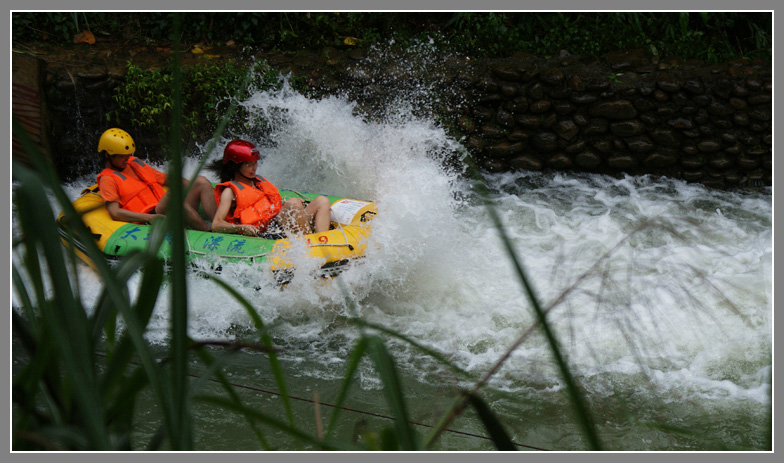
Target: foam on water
(683, 302)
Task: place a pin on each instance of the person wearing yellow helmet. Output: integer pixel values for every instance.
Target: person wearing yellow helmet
(133, 190)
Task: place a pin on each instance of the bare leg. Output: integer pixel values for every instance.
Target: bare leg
(293, 217)
(202, 192)
(318, 212)
(300, 219)
(192, 217)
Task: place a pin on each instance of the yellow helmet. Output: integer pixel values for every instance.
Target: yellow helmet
(116, 141)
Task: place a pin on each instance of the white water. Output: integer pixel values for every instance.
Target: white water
(672, 322)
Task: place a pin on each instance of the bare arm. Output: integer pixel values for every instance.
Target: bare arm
(123, 215)
(219, 223)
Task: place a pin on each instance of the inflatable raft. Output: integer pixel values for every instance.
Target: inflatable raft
(343, 243)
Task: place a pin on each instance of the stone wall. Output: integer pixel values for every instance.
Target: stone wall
(627, 113)
(630, 113)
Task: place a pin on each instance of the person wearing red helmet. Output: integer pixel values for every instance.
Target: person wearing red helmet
(251, 205)
(133, 190)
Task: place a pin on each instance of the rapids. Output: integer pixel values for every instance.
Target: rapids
(660, 292)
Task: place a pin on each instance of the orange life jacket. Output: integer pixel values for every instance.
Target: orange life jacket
(136, 195)
(253, 206)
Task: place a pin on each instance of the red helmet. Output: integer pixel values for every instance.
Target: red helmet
(239, 151)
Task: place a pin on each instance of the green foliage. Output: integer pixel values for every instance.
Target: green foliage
(711, 36)
(145, 96)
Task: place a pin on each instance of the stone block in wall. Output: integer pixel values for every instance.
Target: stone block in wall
(545, 141)
(640, 144)
(588, 160)
(526, 162)
(621, 162)
(661, 159)
(560, 161)
(627, 128)
(618, 109)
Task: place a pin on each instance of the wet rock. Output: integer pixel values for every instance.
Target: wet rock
(760, 114)
(621, 60)
(692, 175)
(661, 159)
(693, 86)
(575, 84)
(701, 100)
(748, 162)
(492, 131)
(595, 127)
(560, 161)
(738, 103)
(466, 124)
(665, 137)
(604, 146)
(552, 76)
(540, 106)
(729, 138)
(713, 182)
(563, 107)
(580, 119)
(507, 72)
(575, 147)
(681, 123)
(536, 91)
(661, 96)
(668, 110)
(530, 121)
(509, 89)
(717, 108)
(644, 104)
(545, 141)
(741, 119)
(721, 123)
(505, 119)
(740, 91)
(689, 149)
(483, 113)
(640, 144)
(732, 178)
(588, 160)
(566, 129)
(753, 83)
(720, 161)
(487, 84)
(709, 146)
(583, 98)
(490, 98)
(518, 104)
(619, 109)
(650, 119)
(526, 162)
(505, 149)
(518, 135)
(621, 162)
(475, 144)
(494, 165)
(627, 128)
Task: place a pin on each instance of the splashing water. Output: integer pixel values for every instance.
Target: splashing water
(667, 286)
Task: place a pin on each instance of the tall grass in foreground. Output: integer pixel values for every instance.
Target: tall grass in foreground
(77, 389)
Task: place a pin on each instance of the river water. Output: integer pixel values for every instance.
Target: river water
(660, 295)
